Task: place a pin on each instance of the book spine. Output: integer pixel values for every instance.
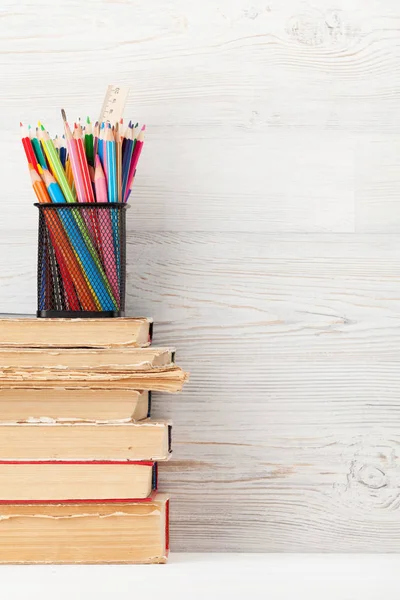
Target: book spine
(149, 405)
(169, 438)
(167, 526)
(155, 477)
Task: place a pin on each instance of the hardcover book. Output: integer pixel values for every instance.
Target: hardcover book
(146, 440)
(126, 533)
(71, 481)
(75, 333)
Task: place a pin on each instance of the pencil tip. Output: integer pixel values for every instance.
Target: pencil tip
(88, 120)
(20, 124)
(42, 127)
(143, 128)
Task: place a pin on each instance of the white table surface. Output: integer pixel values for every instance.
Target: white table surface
(209, 576)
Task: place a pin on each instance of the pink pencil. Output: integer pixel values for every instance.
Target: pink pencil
(106, 232)
(75, 162)
(135, 158)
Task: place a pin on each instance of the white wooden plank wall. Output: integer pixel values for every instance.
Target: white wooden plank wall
(263, 240)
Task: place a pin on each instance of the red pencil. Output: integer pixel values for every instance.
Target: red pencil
(29, 151)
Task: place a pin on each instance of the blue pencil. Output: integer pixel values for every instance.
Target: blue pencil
(111, 158)
(100, 148)
(112, 189)
(78, 243)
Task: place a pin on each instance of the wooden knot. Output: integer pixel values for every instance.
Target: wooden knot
(317, 28)
(372, 477)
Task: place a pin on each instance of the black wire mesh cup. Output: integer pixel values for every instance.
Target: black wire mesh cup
(81, 260)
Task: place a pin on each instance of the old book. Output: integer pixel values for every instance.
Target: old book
(69, 481)
(163, 379)
(146, 440)
(85, 533)
(75, 404)
(136, 368)
(83, 359)
(75, 333)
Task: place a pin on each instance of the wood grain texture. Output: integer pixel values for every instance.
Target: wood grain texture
(286, 437)
(262, 239)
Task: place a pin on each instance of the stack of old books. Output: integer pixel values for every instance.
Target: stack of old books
(78, 451)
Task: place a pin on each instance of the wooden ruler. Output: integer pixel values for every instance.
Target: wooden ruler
(114, 104)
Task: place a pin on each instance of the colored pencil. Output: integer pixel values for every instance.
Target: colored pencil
(118, 152)
(75, 162)
(37, 148)
(106, 231)
(63, 151)
(27, 144)
(56, 165)
(84, 169)
(95, 138)
(111, 161)
(89, 143)
(127, 158)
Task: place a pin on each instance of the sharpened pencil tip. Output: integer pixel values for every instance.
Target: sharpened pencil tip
(64, 116)
(143, 128)
(42, 127)
(88, 120)
(20, 124)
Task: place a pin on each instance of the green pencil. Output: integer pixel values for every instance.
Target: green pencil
(89, 143)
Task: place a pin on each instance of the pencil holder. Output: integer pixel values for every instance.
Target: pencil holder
(81, 260)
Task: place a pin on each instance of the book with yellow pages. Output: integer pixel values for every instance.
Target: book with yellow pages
(75, 333)
(144, 440)
(125, 533)
(53, 481)
(68, 403)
